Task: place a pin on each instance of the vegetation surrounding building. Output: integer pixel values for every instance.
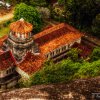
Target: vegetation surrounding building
(64, 71)
(30, 14)
(58, 53)
(83, 15)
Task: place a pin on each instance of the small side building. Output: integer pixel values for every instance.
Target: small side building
(8, 75)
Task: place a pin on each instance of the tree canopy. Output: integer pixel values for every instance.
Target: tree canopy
(84, 14)
(96, 25)
(95, 54)
(29, 14)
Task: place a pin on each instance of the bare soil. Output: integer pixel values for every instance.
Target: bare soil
(6, 14)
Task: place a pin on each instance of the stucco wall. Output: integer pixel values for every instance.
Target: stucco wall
(22, 73)
(60, 49)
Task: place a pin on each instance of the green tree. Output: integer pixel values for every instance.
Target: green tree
(82, 12)
(67, 5)
(96, 26)
(38, 2)
(95, 54)
(73, 54)
(30, 14)
(88, 70)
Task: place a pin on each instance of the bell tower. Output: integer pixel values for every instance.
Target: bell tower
(20, 39)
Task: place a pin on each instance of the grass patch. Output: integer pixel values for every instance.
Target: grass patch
(4, 31)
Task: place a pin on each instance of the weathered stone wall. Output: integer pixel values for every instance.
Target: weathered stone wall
(19, 49)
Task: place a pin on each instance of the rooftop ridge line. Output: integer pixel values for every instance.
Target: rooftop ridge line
(47, 31)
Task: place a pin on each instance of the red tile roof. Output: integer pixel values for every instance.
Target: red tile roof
(56, 36)
(6, 60)
(21, 27)
(49, 40)
(31, 63)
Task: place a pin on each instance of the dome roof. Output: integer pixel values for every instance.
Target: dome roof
(21, 26)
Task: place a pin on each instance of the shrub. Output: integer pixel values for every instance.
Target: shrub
(24, 83)
(95, 54)
(88, 70)
(73, 54)
(54, 73)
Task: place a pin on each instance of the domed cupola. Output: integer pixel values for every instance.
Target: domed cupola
(20, 39)
(21, 29)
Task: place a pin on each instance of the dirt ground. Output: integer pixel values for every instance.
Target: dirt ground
(6, 14)
(4, 11)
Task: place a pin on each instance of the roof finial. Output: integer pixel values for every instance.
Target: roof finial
(22, 19)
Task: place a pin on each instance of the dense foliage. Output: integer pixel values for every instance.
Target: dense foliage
(66, 70)
(38, 2)
(53, 73)
(29, 14)
(96, 25)
(83, 14)
(88, 70)
(95, 54)
(73, 54)
(29, 2)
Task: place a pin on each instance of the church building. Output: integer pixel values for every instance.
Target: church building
(31, 51)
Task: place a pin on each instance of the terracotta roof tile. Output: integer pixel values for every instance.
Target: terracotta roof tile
(21, 27)
(49, 40)
(32, 63)
(6, 60)
(56, 36)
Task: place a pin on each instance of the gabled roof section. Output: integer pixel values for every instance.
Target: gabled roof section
(6, 60)
(56, 36)
(31, 63)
